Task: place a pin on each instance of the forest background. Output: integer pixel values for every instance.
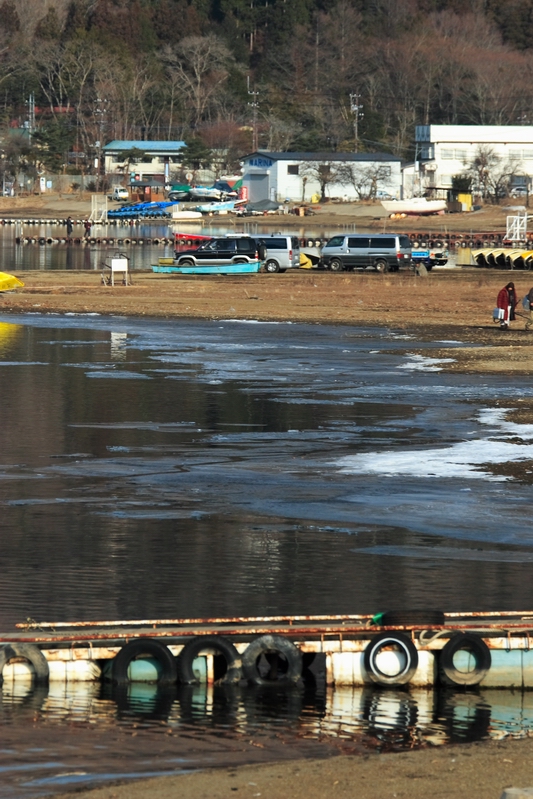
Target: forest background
(303, 74)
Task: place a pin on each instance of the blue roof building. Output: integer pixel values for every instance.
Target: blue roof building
(156, 163)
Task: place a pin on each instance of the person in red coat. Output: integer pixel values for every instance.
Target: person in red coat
(507, 301)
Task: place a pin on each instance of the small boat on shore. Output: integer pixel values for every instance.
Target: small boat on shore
(415, 206)
(206, 268)
(9, 282)
(186, 215)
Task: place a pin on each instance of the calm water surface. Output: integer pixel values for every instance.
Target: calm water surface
(189, 468)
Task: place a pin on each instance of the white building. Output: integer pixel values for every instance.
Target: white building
(443, 151)
(293, 176)
(159, 160)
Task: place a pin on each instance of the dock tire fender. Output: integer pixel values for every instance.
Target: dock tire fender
(479, 650)
(221, 646)
(385, 641)
(144, 646)
(272, 645)
(29, 652)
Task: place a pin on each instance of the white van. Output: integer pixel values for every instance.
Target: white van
(282, 252)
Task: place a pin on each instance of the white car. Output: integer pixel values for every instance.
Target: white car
(119, 193)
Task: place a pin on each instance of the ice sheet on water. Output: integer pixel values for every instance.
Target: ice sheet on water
(457, 461)
(254, 322)
(423, 363)
(122, 375)
(497, 417)
(449, 553)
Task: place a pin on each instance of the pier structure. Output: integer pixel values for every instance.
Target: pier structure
(417, 648)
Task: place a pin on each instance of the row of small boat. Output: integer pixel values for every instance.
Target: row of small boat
(503, 258)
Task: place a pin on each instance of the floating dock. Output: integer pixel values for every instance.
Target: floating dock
(417, 648)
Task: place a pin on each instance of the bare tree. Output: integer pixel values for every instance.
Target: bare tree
(364, 179)
(198, 65)
(325, 173)
(281, 132)
(491, 175)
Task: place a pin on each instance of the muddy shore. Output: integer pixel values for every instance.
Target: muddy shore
(467, 771)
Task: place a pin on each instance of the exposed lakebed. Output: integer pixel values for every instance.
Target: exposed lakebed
(155, 469)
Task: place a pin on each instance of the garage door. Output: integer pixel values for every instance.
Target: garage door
(259, 188)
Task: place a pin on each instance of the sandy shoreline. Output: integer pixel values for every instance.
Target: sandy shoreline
(466, 771)
(448, 305)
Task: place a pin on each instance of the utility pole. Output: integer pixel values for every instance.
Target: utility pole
(100, 112)
(356, 109)
(31, 115)
(255, 105)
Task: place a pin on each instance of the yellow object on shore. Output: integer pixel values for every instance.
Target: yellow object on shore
(305, 262)
(9, 282)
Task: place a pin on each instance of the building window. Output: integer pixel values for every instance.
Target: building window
(461, 155)
(528, 154)
(446, 180)
(293, 169)
(447, 155)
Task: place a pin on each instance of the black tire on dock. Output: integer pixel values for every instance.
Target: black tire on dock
(475, 646)
(144, 646)
(29, 652)
(386, 641)
(221, 646)
(272, 646)
(407, 618)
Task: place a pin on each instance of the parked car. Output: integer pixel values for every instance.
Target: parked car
(384, 252)
(282, 252)
(220, 252)
(519, 191)
(119, 193)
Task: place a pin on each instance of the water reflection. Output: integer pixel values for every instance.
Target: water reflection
(9, 336)
(369, 717)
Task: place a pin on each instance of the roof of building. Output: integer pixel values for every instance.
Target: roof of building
(475, 134)
(336, 156)
(163, 147)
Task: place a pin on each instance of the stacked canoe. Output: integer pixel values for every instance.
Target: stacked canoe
(503, 258)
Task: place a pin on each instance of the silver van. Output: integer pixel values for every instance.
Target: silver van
(385, 252)
(282, 252)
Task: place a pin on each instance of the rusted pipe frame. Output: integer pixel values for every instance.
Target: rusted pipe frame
(245, 633)
(491, 614)
(257, 619)
(165, 622)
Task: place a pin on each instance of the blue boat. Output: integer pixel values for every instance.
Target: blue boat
(209, 269)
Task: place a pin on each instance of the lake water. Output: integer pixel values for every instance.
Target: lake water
(78, 255)
(188, 468)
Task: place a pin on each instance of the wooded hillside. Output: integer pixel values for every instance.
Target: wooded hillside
(179, 69)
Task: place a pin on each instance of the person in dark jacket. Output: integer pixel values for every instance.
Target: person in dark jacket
(528, 307)
(507, 302)
(70, 227)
